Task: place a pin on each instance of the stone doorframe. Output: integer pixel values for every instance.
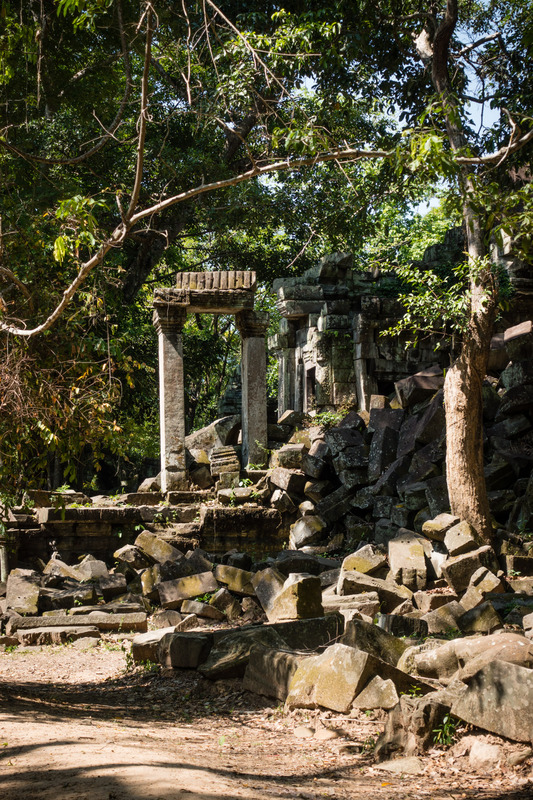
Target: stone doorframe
(231, 292)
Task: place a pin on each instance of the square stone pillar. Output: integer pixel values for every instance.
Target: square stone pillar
(169, 321)
(252, 326)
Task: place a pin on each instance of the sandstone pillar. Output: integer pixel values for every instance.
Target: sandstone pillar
(169, 321)
(252, 326)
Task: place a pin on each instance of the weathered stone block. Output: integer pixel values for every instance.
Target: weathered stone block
(499, 699)
(237, 580)
(445, 618)
(269, 672)
(300, 598)
(390, 594)
(378, 693)
(461, 538)
(292, 481)
(171, 593)
(458, 570)
(407, 560)
(438, 527)
(229, 656)
(367, 559)
(184, 650)
(376, 641)
(306, 530)
(157, 548)
(144, 647)
(22, 591)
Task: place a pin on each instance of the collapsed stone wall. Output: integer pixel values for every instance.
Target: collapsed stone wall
(330, 346)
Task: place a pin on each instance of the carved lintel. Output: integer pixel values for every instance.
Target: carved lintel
(252, 324)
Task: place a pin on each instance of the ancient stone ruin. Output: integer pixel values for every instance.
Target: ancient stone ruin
(335, 577)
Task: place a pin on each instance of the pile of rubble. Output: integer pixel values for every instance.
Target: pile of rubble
(374, 630)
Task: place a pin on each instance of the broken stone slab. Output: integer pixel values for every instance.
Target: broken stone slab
(407, 559)
(281, 500)
(378, 693)
(334, 678)
(309, 634)
(91, 569)
(229, 655)
(172, 593)
(144, 647)
(402, 625)
(366, 603)
(267, 584)
(335, 505)
(292, 481)
(184, 650)
(419, 387)
(104, 622)
(22, 591)
(224, 601)
(237, 580)
(306, 530)
(299, 598)
(166, 619)
(56, 599)
(157, 548)
(55, 635)
(133, 556)
(367, 559)
(269, 672)
(376, 641)
(205, 610)
(499, 699)
(445, 618)
(458, 570)
(390, 593)
(481, 619)
(461, 538)
(430, 600)
(112, 586)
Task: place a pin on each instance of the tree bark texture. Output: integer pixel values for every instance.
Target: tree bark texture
(463, 383)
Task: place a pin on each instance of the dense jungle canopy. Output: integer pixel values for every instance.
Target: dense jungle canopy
(138, 139)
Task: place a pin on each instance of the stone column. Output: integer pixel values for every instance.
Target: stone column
(252, 326)
(169, 321)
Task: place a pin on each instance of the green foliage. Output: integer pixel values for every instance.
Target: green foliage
(445, 734)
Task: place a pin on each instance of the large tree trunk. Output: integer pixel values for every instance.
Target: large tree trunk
(464, 381)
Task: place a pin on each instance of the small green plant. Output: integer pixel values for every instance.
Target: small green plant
(246, 482)
(414, 691)
(327, 419)
(10, 648)
(444, 734)
(369, 743)
(513, 573)
(205, 598)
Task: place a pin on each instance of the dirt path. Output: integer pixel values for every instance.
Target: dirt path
(75, 725)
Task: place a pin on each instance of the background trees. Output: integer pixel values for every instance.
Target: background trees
(139, 136)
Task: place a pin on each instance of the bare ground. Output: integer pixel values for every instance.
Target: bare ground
(74, 724)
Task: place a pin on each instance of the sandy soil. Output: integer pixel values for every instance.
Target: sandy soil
(75, 724)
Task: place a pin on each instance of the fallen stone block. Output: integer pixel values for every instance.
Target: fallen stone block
(378, 693)
(401, 625)
(461, 538)
(367, 603)
(237, 580)
(458, 570)
(418, 387)
(57, 599)
(390, 593)
(22, 591)
(368, 637)
(438, 527)
(157, 548)
(445, 618)
(335, 677)
(499, 699)
(172, 593)
(292, 481)
(229, 656)
(429, 601)
(300, 598)
(306, 530)
(112, 586)
(166, 619)
(224, 601)
(269, 671)
(481, 619)
(367, 559)
(104, 622)
(407, 560)
(184, 650)
(267, 584)
(144, 647)
(91, 569)
(55, 635)
(205, 610)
